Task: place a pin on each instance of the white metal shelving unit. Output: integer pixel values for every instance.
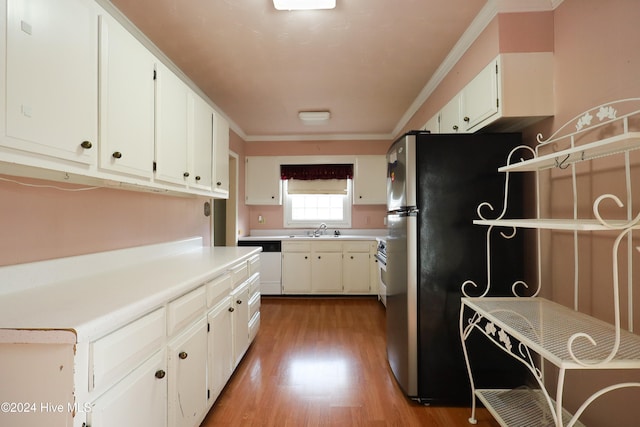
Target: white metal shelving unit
(532, 329)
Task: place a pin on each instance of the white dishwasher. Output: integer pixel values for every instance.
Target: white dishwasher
(270, 264)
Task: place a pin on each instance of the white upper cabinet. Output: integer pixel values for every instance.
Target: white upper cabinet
(479, 99)
(262, 180)
(52, 81)
(433, 125)
(370, 180)
(451, 117)
(126, 101)
(221, 157)
(172, 98)
(201, 143)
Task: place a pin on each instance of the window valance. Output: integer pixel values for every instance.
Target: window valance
(320, 171)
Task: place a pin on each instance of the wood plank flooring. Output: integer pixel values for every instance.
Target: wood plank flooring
(322, 362)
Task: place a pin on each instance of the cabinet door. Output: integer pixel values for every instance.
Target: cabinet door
(140, 399)
(201, 143)
(52, 78)
(262, 181)
(356, 272)
(221, 157)
(171, 127)
(188, 376)
(370, 180)
(433, 125)
(479, 98)
(450, 121)
(240, 319)
(296, 272)
(220, 343)
(126, 101)
(326, 272)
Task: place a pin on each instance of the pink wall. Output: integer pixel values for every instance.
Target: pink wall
(596, 60)
(44, 223)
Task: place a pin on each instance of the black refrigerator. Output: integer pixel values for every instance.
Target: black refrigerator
(435, 183)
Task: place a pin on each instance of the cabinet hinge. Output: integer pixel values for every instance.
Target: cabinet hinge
(496, 68)
(155, 75)
(208, 327)
(208, 394)
(498, 102)
(155, 166)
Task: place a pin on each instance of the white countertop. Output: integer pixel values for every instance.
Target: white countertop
(92, 305)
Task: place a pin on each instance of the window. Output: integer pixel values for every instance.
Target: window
(315, 194)
(309, 210)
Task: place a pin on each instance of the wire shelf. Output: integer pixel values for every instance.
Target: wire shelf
(546, 328)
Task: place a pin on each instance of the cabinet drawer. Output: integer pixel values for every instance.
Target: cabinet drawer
(254, 265)
(296, 246)
(240, 273)
(327, 246)
(254, 305)
(186, 308)
(218, 288)
(116, 354)
(254, 284)
(357, 246)
(254, 326)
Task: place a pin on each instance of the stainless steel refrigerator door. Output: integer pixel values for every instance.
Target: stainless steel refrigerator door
(402, 304)
(401, 174)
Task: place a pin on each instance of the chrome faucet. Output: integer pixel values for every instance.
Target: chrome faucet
(322, 228)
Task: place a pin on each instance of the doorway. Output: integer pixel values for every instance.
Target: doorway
(225, 211)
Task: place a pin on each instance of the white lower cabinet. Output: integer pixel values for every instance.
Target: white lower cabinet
(326, 267)
(221, 362)
(187, 376)
(321, 267)
(240, 321)
(356, 269)
(138, 400)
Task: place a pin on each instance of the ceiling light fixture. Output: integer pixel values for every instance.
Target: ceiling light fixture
(304, 4)
(314, 117)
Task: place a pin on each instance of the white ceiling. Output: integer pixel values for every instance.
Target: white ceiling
(369, 62)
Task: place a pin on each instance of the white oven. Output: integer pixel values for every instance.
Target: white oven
(381, 257)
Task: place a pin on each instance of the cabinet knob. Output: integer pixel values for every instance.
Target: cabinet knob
(160, 374)
(351, 256)
(306, 257)
(231, 309)
(218, 183)
(186, 174)
(239, 302)
(455, 127)
(273, 197)
(183, 355)
(198, 178)
(86, 144)
(117, 154)
(319, 257)
(466, 119)
(360, 197)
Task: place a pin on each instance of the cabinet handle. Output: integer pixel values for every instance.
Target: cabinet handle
(239, 302)
(183, 355)
(455, 127)
(218, 183)
(160, 374)
(117, 154)
(86, 144)
(231, 309)
(466, 119)
(198, 178)
(186, 174)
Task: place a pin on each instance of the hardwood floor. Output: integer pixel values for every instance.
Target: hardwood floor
(321, 362)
